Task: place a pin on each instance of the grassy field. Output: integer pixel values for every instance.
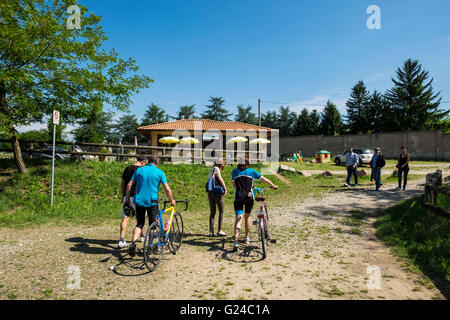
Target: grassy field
(418, 235)
(89, 192)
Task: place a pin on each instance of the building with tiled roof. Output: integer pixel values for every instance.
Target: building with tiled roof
(209, 129)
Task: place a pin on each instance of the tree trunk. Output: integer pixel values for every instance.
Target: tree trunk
(18, 153)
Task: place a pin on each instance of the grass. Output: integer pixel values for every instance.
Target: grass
(89, 192)
(418, 235)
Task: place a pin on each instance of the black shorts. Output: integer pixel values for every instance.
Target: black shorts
(240, 204)
(152, 213)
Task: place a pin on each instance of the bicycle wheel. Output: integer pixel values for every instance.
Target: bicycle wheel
(152, 249)
(262, 231)
(176, 233)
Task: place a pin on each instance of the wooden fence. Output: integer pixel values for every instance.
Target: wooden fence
(163, 152)
(433, 188)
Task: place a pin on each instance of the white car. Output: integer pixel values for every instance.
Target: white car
(365, 155)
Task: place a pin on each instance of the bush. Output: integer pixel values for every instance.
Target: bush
(422, 236)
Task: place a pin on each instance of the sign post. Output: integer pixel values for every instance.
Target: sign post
(55, 122)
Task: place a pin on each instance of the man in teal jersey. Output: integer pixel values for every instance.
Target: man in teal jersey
(147, 180)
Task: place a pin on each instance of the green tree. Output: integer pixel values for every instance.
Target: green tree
(315, 122)
(245, 115)
(97, 127)
(185, 112)
(286, 121)
(357, 109)
(45, 66)
(331, 123)
(216, 110)
(153, 115)
(125, 130)
(270, 120)
(414, 98)
(303, 124)
(385, 116)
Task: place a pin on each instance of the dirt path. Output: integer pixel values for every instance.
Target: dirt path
(321, 253)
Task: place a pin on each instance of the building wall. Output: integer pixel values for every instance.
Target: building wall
(423, 145)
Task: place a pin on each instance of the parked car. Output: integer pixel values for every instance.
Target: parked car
(48, 151)
(365, 155)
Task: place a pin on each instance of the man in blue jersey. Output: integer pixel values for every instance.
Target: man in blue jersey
(243, 178)
(147, 180)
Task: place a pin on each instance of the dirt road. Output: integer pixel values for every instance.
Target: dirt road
(321, 253)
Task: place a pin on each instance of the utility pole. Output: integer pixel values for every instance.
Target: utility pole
(56, 117)
(259, 112)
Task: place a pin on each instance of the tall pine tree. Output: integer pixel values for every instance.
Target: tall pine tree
(216, 110)
(246, 115)
(385, 116)
(331, 124)
(286, 121)
(153, 115)
(315, 122)
(414, 98)
(357, 109)
(303, 124)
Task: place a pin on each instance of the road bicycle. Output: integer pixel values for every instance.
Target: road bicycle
(263, 218)
(162, 235)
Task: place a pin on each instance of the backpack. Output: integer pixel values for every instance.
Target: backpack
(211, 186)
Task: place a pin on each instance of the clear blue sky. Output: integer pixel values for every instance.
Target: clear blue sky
(300, 52)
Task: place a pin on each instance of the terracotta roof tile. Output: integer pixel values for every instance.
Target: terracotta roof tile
(206, 124)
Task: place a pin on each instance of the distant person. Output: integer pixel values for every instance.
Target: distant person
(372, 166)
(147, 180)
(351, 162)
(126, 177)
(216, 198)
(243, 178)
(403, 168)
(378, 163)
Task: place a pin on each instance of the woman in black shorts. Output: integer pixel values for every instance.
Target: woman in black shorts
(403, 168)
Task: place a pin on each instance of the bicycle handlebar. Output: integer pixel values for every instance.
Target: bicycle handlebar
(166, 202)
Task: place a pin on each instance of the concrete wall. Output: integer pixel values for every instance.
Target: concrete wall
(423, 145)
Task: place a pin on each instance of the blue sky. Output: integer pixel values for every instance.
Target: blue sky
(297, 52)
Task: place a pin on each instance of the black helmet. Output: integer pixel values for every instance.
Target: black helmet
(129, 210)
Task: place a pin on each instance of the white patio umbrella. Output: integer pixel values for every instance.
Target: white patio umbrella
(169, 140)
(189, 140)
(260, 141)
(237, 140)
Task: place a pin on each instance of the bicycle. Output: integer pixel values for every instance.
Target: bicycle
(160, 235)
(263, 218)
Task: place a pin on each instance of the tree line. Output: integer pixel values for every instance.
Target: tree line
(411, 104)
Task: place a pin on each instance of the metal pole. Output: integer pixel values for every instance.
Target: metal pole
(259, 112)
(53, 163)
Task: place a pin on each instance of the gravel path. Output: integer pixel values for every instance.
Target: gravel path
(318, 255)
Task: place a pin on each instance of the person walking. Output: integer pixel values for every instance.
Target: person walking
(147, 180)
(351, 162)
(378, 163)
(216, 198)
(126, 177)
(403, 168)
(243, 178)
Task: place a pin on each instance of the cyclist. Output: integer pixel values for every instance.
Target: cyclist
(243, 178)
(126, 177)
(147, 180)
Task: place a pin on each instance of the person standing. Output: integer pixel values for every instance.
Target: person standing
(351, 162)
(216, 198)
(403, 168)
(147, 180)
(378, 162)
(126, 177)
(243, 178)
